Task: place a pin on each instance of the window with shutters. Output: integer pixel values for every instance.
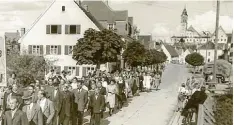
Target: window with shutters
(72, 29)
(53, 29)
(54, 49)
(36, 49)
(63, 8)
(90, 70)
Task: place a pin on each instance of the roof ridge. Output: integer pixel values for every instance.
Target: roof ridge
(35, 22)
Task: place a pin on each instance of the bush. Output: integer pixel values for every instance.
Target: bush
(223, 112)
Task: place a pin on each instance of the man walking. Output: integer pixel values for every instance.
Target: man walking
(15, 116)
(81, 99)
(47, 108)
(97, 105)
(33, 110)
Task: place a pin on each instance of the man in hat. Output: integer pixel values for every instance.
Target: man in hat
(15, 116)
(57, 98)
(32, 110)
(66, 110)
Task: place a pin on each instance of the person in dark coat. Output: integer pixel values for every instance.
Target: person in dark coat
(66, 111)
(141, 79)
(97, 105)
(197, 98)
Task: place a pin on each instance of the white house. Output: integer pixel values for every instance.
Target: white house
(56, 31)
(170, 52)
(208, 49)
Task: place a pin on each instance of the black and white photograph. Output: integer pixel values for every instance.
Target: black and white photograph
(116, 62)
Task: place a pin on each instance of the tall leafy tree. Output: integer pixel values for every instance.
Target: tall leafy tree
(97, 47)
(194, 59)
(134, 54)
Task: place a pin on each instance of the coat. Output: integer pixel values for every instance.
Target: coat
(57, 100)
(80, 99)
(97, 105)
(19, 118)
(36, 115)
(48, 112)
(67, 105)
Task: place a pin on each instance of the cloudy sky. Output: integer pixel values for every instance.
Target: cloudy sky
(159, 18)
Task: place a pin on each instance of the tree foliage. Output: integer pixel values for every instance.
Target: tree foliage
(134, 54)
(194, 59)
(224, 110)
(153, 56)
(27, 67)
(97, 47)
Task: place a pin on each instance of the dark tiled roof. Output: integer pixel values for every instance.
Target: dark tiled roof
(145, 37)
(121, 15)
(12, 36)
(103, 12)
(190, 50)
(91, 17)
(179, 51)
(211, 45)
(171, 50)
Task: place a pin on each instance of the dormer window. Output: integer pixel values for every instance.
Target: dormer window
(63, 8)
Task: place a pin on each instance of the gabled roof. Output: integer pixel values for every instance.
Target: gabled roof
(192, 30)
(12, 36)
(220, 28)
(171, 50)
(179, 51)
(211, 45)
(103, 12)
(88, 14)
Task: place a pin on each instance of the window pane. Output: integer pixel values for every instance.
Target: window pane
(54, 29)
(72, 29)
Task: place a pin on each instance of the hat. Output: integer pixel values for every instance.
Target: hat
(26, 96)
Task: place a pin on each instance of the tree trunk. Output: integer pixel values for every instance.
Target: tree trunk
(194, 70)
(98, 66)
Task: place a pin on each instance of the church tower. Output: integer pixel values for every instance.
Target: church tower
(184, 22)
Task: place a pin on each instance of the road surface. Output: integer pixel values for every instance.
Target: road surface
(154, 108)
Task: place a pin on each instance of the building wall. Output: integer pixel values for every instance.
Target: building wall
(73, 15)
(166, 53)
(222, 37)
(210, 54)
(122, 27)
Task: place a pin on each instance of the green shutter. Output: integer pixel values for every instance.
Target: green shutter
(77, 29)
(47, 49)
(30, 49)
(77, 71)
(41, 50)
(84, 71)
(59, 29)
(66, 50)
(59, 49)
(66, 29)
(47, 29)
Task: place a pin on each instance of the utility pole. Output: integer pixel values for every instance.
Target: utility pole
(216, 40)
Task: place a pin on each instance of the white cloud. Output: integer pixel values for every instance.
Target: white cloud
(206, 22)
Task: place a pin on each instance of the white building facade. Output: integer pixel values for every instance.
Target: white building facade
(55, 32)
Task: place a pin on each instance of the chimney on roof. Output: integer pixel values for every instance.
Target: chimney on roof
(86, 8)
(22, 30)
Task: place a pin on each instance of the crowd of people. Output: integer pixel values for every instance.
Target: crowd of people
(62, 99)
(190, 95)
